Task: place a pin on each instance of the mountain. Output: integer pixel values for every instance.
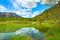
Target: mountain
(50, 14)
(8, 14)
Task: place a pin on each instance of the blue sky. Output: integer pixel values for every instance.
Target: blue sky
(25, 8)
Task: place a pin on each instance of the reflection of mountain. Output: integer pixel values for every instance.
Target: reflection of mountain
(8, 14)
(50, 14)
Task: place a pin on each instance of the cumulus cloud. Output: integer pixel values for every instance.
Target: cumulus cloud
(2, 8)
(24, 13)
(25, 3)
(29, 4)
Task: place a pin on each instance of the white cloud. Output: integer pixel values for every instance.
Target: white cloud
(52, 2)
(24, 13)
(35, 14)
(29, 4)
(2, 8)
(25, 3)
(42, 1)
(15, 5)
(32, 3)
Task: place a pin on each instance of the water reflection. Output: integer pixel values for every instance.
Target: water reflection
(32, 32)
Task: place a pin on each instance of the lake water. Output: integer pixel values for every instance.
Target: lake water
(32, 32)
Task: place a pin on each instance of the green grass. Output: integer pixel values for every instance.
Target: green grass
(21, 38)
(50, 29)
(11, 26)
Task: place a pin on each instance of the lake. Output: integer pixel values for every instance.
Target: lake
(29, 32)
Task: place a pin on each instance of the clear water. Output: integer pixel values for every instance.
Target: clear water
(31, 32)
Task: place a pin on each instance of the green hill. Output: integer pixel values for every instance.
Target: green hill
(10, 16)
(49, 22)
(50, 14)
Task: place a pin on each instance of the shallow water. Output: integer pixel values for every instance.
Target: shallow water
(31, 32)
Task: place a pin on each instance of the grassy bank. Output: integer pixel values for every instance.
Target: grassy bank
(50, 29)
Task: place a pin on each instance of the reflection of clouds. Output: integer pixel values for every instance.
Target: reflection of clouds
(29, 32)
